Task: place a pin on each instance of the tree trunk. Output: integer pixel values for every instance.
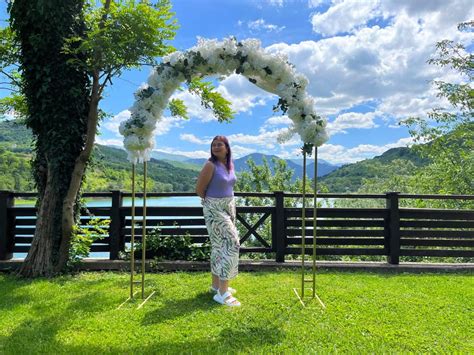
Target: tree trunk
(77, 175)
(57, 94)
(40, 260)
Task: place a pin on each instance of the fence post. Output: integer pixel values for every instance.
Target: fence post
(115, 232)
(278, 227)
(7, 241)
(393, 228)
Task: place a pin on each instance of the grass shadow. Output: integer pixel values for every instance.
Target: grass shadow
(171, 309)
(250, 338)
(46, 317)
(43, 330)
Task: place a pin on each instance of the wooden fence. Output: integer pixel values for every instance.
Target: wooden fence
(391, 231)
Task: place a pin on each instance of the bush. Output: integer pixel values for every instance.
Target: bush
(84, 236)
(178, 247)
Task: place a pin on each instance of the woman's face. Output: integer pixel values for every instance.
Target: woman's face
(219, 149)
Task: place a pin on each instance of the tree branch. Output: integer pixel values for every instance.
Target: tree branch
(81, 161)
(10, 89)
(12, 78)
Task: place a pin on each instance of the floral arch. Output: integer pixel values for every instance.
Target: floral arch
(270, 72)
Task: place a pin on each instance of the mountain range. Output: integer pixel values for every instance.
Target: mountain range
(172, 172)
(240, 164)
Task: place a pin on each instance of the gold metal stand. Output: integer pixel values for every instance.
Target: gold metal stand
(304, 280)
(132, 243)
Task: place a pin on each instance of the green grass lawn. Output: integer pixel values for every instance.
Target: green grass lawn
(366, 313)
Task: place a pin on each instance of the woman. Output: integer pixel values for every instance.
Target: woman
(215, 185)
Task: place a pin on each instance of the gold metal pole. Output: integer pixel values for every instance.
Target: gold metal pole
(132, 246)
(303, 226)
(303, 234)
(315, 216)
(132, 241)
(144, 229)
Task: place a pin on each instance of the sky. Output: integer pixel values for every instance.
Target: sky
(365, 61)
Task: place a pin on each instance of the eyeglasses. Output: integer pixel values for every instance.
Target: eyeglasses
(218, 144)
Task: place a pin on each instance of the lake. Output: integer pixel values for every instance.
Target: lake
(175, 201)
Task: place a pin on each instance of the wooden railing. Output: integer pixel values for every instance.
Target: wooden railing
(391, 231)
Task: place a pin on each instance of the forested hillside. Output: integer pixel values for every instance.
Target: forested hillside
(394, 162)
(109, 168)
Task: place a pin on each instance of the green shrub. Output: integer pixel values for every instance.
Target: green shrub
(177, 247)
(83, 237)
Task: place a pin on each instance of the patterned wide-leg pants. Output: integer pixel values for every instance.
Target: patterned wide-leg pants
(219, 214)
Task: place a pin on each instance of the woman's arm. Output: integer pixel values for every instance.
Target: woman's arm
(204, 178)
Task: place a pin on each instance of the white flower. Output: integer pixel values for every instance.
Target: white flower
(143, 104)
(286, 135)
(267, 85)
(132, 142)
(321, 138)
(270, 72)
(173, 58)
(301, 80)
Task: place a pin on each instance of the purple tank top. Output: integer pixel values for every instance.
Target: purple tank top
(222, 182)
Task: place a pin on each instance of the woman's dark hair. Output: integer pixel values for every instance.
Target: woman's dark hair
(229, 164)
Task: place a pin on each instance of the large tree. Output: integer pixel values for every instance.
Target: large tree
(56, 95)
(69, 51)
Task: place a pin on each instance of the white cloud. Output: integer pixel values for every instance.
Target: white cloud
(162, 127)
(109, 142)
(290, 154)
(283, 120)
(314, 3)
(242, 94)
(190, 154)
(263, 140)
(278, 3)
(338, 154)
(113, 123)
(402, 142)
(403, 105)
(238, 151)
(383, 66)
(344, 16)
(350, 15)
(266, 139)
(419, 8)
(261, 24)
(352, 120)
(193, 139)
(166, 123)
